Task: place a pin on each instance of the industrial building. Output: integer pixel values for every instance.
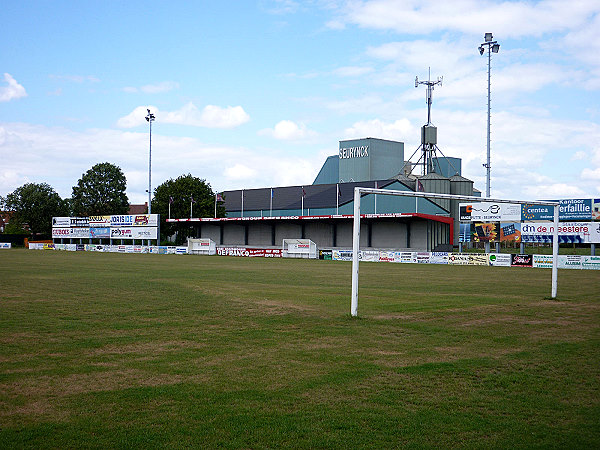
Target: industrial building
(322, 211)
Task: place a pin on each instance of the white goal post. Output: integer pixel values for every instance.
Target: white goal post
(356, 229)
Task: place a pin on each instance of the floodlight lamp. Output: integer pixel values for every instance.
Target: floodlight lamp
(481, 50)
(495, 48)
(488, 37)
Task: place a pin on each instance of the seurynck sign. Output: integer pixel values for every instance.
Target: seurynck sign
(354, 152)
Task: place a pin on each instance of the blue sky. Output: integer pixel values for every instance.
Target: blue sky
(258, 93)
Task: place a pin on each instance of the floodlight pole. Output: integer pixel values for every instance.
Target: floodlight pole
(492, 46)
(150, 118)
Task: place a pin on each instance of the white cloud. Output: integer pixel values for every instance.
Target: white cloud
(239, 172)
(397, 130)
(287, 130)
(210, 117)
(12, 91)
(512, 19)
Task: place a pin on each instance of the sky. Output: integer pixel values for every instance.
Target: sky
(251, 94)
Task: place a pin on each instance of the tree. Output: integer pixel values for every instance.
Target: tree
(34, 205)
(100, 191)
(180, 193)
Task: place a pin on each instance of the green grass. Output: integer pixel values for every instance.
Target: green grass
(153, 351)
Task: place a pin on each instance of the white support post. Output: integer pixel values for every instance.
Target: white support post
(555, 253)
(355, 250)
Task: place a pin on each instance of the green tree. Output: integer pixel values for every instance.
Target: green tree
(179, 194)
(100, 191)
(34, 205)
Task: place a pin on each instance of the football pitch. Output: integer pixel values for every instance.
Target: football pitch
(108, 350)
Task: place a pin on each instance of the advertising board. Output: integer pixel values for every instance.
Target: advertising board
(369, 255)
(542, 261)
(499, 259)
(568, 232)
(5, 245)
(139, 220)
(423, 257)
(458, 259)
(61, 222)
(99, 221)
(133, 233)
(590, 262)
(387, 256)
(341, 255)
(569, 261)
(521, 260)
(439, 258)
(490, 212)
(99, 232)
(249, 252)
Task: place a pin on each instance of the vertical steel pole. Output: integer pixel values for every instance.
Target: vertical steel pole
(150, 172)
(488, 166)
(355, 250)
(555, 253)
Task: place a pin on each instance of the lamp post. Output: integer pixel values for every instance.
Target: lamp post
(150, 118)
(493, 47)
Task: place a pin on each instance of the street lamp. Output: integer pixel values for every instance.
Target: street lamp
(493, 47)
(150, 118)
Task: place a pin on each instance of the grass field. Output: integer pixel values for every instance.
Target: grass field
(111, 350)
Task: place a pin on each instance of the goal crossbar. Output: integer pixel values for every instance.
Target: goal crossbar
(358, 191)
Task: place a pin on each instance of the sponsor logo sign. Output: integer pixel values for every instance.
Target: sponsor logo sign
(405, 257)
(542, 261)
(5, 245)
(590, 262)
(575, 209)
(439, 258)
(521, 260)
(500, 259)
(537, 212)
(133, 233)
(387, 256)
(61, 222)
(423, 257)
(99, 221)
(569, 261)
(341, 255)
(98, 233)
(458, 259)
(568, 232)
(249, 252)
(369, 255)
(490, 212)
(77, 222)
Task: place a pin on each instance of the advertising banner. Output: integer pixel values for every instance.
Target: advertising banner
(99, 221)
(341, 255)
(510, 232)
(478, 259)
(423, 257)
(490, 212)
(99, 233)
(181, 250)
(521, 260)
(251, 252)
(5, 245)
(569, 261)
(134, 233)
(439, 258)
(70, 233)
(486, 231)
(79, 222)
(61, 222)
(500, 259)
(537, 212)
(590, 262)
(405, 257)
(568, 232)
(465, 232)
(387, 256)
(139, 220)
(575, 209)
(369, 255)
(458, 259)
(542, 261)
(325, 254)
